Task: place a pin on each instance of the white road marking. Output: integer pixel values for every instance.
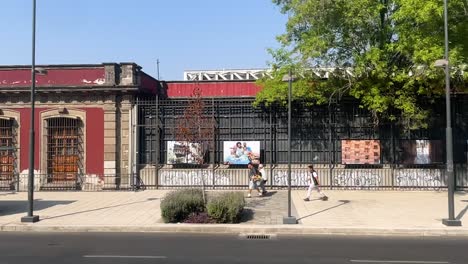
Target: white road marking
(117, 256)
(398, 261)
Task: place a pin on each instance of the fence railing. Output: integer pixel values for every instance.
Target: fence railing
(399, 178)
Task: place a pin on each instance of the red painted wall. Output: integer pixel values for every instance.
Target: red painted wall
(213, 89)
(54, 77)
(148, 84)
(94, 138)
(25, 119)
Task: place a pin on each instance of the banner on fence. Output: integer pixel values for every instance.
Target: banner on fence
(241, 152)
(422, 151)
(182, 152)
(360, 152)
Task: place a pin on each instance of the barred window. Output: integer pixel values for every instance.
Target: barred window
(64, 149)
(7, 149)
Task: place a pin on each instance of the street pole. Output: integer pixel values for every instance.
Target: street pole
(451, 221)
(289, 219)
(157, 67)
(30, 218)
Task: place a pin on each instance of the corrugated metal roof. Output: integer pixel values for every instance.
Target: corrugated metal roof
(213, 89)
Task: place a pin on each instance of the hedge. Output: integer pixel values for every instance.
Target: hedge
(178, 205)
(226, 208)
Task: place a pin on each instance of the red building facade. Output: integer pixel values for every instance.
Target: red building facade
(82, 122)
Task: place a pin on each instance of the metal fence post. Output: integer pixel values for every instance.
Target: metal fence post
(158, 141)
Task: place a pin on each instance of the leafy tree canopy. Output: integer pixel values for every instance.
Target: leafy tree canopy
(380, 52)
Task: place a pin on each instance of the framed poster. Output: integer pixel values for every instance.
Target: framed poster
(241, 152)
(360, 151)
(422, 151)
(182, 152)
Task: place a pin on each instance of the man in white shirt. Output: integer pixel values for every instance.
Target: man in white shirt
(312, 179)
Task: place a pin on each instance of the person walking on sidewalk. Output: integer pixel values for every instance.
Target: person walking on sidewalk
(263, 180)
(254, 178)
(312, 179)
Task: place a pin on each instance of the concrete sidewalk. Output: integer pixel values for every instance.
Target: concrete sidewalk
(416, 213)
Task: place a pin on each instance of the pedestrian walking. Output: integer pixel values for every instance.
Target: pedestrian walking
(312, 179)
(254, 179)
(264, 179)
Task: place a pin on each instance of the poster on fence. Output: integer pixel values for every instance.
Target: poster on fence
(241, 152)
(360, 152)
(182, 152)
(422, 151)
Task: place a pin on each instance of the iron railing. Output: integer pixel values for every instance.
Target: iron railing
(400, 177)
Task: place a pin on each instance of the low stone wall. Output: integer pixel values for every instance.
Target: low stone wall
(387, 177)
(226, 178)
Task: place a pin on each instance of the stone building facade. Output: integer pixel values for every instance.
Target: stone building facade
(82, 123)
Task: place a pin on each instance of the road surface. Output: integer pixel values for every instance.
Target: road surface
(157, 248)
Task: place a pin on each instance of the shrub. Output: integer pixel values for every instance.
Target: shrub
(178, 205)
(199, 218)
(226, 208)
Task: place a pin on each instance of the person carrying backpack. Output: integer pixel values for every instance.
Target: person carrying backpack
(312, 179)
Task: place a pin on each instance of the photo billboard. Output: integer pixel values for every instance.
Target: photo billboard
(360, 152)
(241, 152)
(422, 151)
(182, 152)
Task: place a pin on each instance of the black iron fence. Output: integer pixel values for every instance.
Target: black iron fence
(223, 177)
(318, 132)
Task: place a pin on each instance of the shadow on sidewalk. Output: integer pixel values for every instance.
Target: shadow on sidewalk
(6, 193)
(16, 207)
(102, 208)
(247, 215)
(462, 212)
(269, 193)
(343, 202)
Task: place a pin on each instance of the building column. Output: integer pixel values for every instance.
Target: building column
(124, 131)
(110, 144)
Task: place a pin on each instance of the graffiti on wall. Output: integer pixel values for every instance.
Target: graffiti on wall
(186, 177)
(419, 178)
(221, 179)
(298, 178)
(193, 178)
(358, 178)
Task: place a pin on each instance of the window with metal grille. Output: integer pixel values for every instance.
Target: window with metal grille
(64, 149)
(7, 149)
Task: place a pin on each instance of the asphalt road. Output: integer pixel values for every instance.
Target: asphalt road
(157, 248)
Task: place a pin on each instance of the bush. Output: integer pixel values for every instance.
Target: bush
(178, 205)
(226, 208)
(199, 218)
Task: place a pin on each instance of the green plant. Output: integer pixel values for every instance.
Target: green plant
(199, 218)
(226, 208)
(178, 205)
(380, 52)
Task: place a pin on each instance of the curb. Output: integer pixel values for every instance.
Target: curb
(246, 229)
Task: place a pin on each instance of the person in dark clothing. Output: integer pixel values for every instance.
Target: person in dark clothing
(254, 178)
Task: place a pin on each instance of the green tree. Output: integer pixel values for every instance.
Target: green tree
(380, 52)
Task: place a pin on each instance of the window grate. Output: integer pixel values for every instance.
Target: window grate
(64, 149)
(7, 150)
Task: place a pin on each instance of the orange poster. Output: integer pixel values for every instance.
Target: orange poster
(360, 152)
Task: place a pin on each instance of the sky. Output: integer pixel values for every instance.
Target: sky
(182, 34)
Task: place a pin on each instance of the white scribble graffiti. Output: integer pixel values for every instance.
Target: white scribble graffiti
(193, 178)
(186, 178)
(221, 179)
(419, 178)
(358, 178)
(298, 178)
